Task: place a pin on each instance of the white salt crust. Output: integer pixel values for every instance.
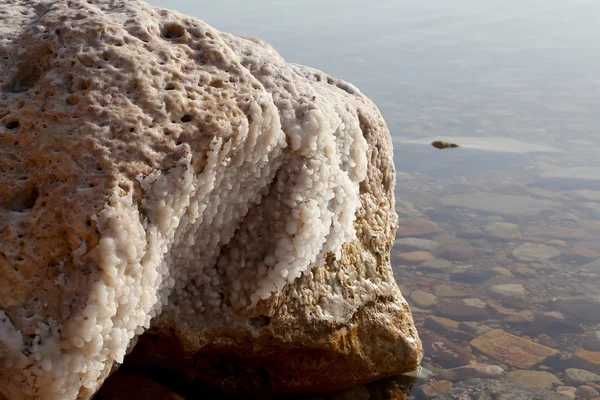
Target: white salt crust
(290, 166)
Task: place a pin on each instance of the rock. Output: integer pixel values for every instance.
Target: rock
(449, 291)
(440, 325)
(513, 350)
(584, 308)
(472, 277)
(470, 232)
(434, 388)
(592, 342)
(129, 385)
(470, 371)
(511, 293)
(488, 389)
(473, 302)
(567, 391)
(548, 341)
(587, 360)
(423, 299)
(524, 272)
(580, 254)
(535, 379)
(552, 323)
(443, 351)
(410, 227)
(496, 310)
(461, 312)
(502, 230)
(497, 203)
(502, 271)
(529, 252)
(586, 393)
(415, 244)
(435, 266)
(156, 171)
(456, 253)
(558, 232)
(414, 257)
(578, 377)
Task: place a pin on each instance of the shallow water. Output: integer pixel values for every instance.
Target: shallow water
(516, 84)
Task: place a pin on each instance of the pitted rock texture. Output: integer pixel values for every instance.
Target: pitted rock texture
(160, 176)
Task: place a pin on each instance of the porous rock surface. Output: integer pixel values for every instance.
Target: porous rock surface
(160, 176)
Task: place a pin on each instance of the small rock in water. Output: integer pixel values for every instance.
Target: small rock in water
(529, 252)
(438, 144)
(513, 350)
(413, 244)
(470, 371)
(494, 389)
(410, 227)
(592, 342)
(503, 271)
(423, 299)
(456, 253)
(449, 291)
(462, 312)
(440, 325)
(552, 323)
(475, 303)
(589, 360)
(536, 379)
(435, 266)
(524, 272)
(443, 351)
(586, 393)
(581, 254)
(472, 277)
(558, 232)
(434, 388)
(578, 377)
(502, 230)
(584, 308)
(414, 257)
(567, 391)
(512, 293)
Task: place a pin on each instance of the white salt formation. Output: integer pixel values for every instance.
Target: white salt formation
(157, 172)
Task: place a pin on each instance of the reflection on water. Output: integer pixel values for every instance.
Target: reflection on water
(502, 265)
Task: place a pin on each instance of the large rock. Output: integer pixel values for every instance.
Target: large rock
(155, 172)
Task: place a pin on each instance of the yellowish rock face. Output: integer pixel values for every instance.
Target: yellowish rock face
(155, 171)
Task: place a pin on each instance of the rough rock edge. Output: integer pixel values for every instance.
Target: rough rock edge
(131, 218)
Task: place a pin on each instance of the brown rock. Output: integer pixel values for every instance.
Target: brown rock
(440, 325)
(513, 350)
(536, 379)
(581, 254)
(434, 388)
(456, 253)
(462, 312)
(589, 360)
(443, 351)
(413, 227)
(558, 232)
(414, 257)
(497, 310)
(523, 271)
(502, 271)
(152, 165)
(449, 291)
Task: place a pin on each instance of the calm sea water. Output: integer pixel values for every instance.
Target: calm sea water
(516, 84)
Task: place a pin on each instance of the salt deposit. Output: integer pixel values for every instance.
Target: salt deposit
(155, 171)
